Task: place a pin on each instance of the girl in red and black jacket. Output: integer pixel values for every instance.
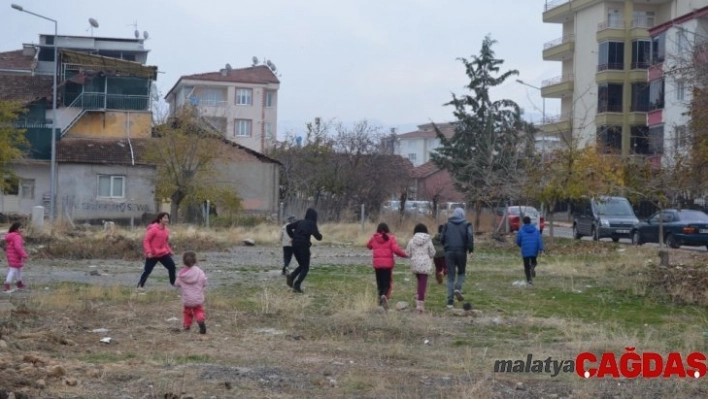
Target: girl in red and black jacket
(157, 248)
(384, 245)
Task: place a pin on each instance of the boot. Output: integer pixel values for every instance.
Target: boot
(20, 286)
(6, 287)
(420, 306)
(202, 328)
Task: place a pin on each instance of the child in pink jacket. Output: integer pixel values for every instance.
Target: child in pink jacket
(384, 247)
(16, 255)
(191, 281)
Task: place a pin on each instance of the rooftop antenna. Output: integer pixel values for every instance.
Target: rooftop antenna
(93, 24)
(135, 26)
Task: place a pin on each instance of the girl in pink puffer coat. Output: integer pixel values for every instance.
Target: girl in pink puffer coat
(191, 281)
(16, 255)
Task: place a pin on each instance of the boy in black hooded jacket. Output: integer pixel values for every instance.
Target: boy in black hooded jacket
(300, 231)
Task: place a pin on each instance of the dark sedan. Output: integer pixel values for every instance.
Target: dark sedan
(680, 227)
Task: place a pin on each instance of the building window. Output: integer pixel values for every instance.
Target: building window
(212, 96)
(609, 97)
(640, 97)
(643, 19)
(111, 186)
(27, 188)
(656, 94)
(242, 127)
(244, 96)
(680, 90)
(609, 139)
(641, 54)
(681, 137)
(268, 131)
(658, 48)
(412, 157)
(656, 140)
(270, 99)
(639, 140)
(682, 44)
(611, 56)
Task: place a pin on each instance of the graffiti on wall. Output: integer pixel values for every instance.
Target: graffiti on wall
(94, 206)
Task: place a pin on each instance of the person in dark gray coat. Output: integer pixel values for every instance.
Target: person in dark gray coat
(458, 240)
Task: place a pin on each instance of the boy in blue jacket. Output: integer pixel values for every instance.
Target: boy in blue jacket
(531, 243)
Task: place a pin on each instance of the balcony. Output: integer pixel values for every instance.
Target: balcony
(559, 49)
(610, 30)
(558, 87)
(556, 124)
(103, 101)
(617, 117)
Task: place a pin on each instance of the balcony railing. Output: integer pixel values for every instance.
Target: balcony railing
(610, 24)
(613, 66)
(643, 22)
(550, 119)
(559, 41)
(639, 107)
(601, 108)
(558, 79)
(554, 3)
(97, 100)
(641, 65)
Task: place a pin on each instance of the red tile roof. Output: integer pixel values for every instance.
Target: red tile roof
(25, 88)
(260, 74)
(427, 131)
(424, 170)
(16, 60)
(103, 151)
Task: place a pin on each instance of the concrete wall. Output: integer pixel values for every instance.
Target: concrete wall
(78, 188)
(15, 204)
(584, 101)
(113, 124)
(256, 182)
(421, 147)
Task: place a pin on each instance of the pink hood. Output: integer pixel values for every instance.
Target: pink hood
(191, 281)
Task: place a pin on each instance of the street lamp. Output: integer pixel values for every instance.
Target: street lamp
(543, 117)
(52, 181)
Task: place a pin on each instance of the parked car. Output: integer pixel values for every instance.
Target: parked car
(680, 227)
(602, 217)
(411, 207)
(516, 213)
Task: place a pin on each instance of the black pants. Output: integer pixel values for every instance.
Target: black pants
(150, 263)
(384, 281)
(529, 264)
(302, 256)
(287, 256)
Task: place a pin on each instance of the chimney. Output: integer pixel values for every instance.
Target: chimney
(29, 50)
(224, 72)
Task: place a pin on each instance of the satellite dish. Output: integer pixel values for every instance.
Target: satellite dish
(145, 35)
(228, 67)
(137, 34)
(255, 61)
(93, 22)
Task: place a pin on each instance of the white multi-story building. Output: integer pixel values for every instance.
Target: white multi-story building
(680, 41)
(417, 145)
(605, 52)
(241, 103)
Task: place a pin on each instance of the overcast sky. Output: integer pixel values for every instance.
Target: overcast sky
(392, 62)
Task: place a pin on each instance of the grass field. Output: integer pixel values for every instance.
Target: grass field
(267, 342)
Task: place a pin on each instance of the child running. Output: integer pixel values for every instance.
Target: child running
(439, 258)
(384, 245)
(16, 256)
(421, 251)
(191, 281)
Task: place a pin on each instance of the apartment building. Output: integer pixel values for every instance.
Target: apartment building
(605, 51)
(416, 146)
(103, 102)
(681, 41)
(241, 103)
